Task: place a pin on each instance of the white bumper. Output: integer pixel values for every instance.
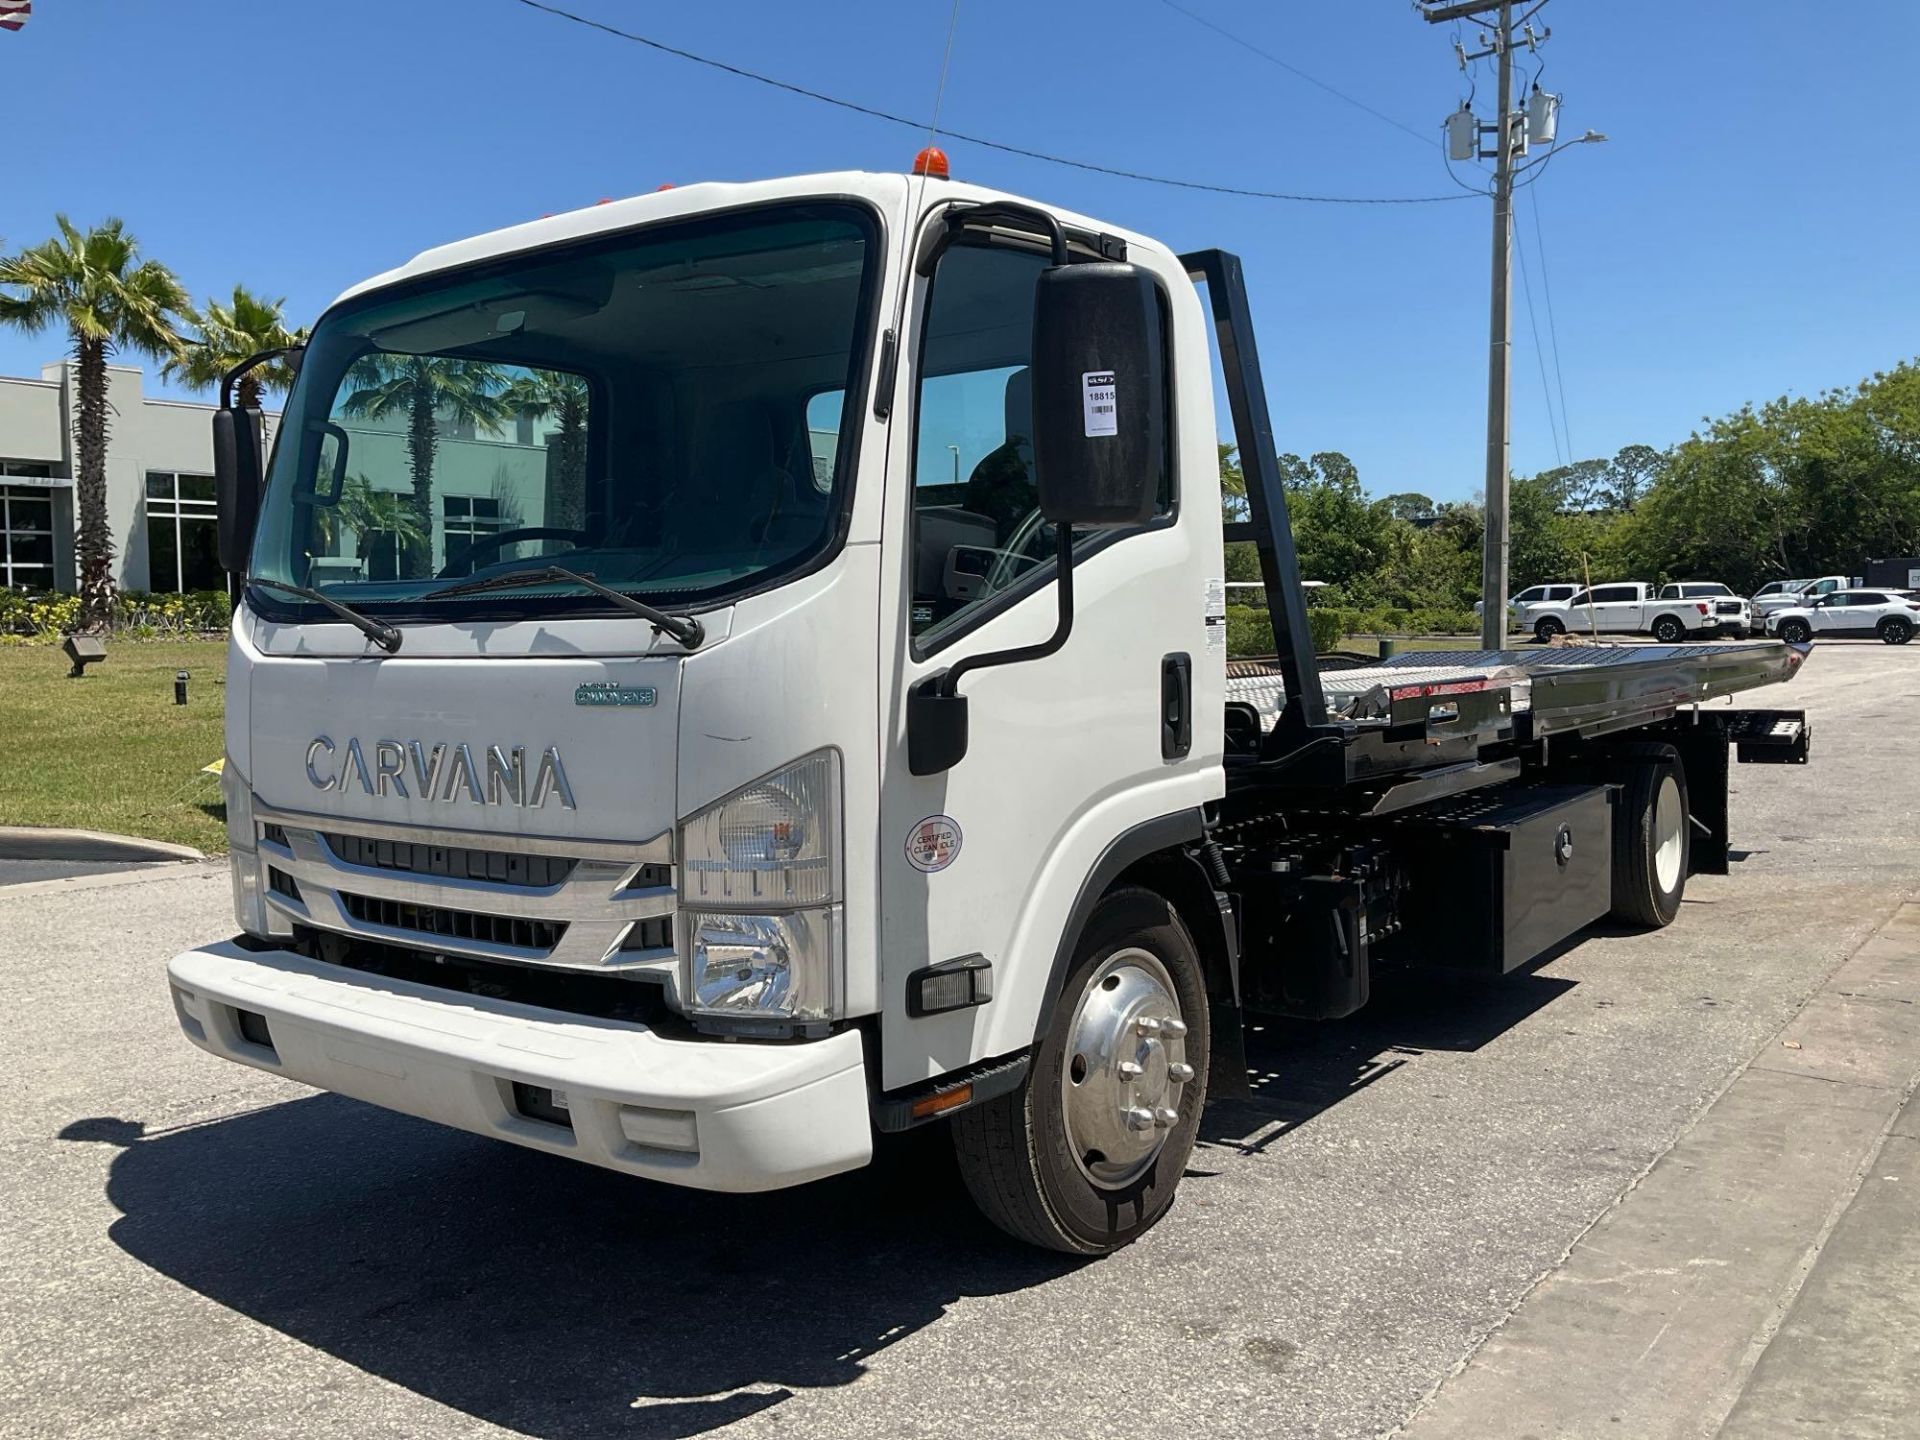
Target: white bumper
(717, 1115)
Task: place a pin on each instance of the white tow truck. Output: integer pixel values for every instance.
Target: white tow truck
(782, 699)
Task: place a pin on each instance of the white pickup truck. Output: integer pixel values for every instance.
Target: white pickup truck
(1626, 608)
(1735, 610)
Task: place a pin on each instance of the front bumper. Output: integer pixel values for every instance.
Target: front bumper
(714, 1115)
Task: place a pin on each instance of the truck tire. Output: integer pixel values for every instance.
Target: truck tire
(1795, 632)
(1668, 630)
(1652, 836)
(1546, 627)
(1896, 631)
(1084, 1156)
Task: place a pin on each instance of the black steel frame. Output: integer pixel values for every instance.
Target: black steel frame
(1268, 526)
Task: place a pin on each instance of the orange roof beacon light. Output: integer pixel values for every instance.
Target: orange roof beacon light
(932, 162)
(658, 188)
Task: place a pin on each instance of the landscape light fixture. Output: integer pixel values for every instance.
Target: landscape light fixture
(83, 650)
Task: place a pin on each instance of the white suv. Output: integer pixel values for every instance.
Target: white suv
(1888, 614)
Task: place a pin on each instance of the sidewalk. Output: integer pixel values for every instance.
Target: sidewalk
(1763, 1278)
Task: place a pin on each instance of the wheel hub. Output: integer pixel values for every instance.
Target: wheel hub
(1126, 1066)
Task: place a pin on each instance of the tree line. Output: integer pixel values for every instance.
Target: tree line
(1799, 486)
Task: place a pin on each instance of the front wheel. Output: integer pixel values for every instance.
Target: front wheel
(1669, 631)
(1085, 1155)
(1795, 632)
(1896, 631)
(1545, 628)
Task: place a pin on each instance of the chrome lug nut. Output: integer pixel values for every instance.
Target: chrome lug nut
(1148, 1025)
(1166, 1117)
(1140, 1118)
(1128, 1070)
(1180, 1072)
(1173, 1029)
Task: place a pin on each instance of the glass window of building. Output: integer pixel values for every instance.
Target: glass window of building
(182, 533)
(26, 529)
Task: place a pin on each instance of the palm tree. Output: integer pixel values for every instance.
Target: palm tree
(95, 284)
(365, 509)
(544, 394)
(424, 388)
(230, 334)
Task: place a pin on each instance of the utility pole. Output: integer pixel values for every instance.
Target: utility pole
(1513, 130)
(1509, 138)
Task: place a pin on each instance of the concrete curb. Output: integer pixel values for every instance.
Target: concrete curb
(35, 842)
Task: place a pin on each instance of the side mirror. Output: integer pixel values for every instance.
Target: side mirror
(1099, 395)
(236, 485)
(238, 465)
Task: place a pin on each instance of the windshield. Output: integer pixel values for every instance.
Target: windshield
(660, 411)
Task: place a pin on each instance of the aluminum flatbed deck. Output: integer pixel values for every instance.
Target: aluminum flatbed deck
(1575, 688)
(1430, 710)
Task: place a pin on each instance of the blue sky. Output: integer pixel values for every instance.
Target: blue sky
(1749, 230)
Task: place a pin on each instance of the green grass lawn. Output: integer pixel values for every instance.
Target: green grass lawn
(112, 751)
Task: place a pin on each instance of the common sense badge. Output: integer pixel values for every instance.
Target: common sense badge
(933, 844)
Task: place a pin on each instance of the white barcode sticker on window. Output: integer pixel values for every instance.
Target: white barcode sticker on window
(1097, 391)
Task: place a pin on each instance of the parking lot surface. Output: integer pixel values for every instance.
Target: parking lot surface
(193, 1248)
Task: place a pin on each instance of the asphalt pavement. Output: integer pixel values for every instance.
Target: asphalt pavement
(193, 1248)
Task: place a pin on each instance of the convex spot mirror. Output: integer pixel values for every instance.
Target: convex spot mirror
(1099, 395)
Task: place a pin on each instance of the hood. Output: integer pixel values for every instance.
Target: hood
(578, 747)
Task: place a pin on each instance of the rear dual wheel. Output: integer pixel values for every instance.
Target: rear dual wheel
(1084, 1156)
(1652, 835)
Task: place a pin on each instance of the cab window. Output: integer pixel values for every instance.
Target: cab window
(977, 527)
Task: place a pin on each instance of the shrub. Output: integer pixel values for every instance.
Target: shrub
(43, 619)
(1250, 631)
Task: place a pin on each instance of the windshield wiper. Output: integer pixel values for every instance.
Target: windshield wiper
(684, 628)
(378, 631)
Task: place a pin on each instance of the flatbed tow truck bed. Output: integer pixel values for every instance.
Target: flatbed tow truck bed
(1585, 689)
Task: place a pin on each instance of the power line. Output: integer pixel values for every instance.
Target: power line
(1294, 70)
(1005, 148)
(1539, 354)
(1553, 330)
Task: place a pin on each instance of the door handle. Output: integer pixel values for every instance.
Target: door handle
(1176, 706)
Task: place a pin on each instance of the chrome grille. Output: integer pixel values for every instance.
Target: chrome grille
(455, 862)
(581, 905)
(453, 924)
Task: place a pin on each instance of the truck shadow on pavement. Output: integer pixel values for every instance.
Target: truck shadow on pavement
(1297, 1069)
(538, 1293)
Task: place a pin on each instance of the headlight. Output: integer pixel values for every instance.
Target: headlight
(764, 965)
(759, 898)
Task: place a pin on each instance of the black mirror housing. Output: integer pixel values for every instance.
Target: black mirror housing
(236, 485)
(1099, 395)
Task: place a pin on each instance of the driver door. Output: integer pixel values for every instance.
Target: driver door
(983, 860)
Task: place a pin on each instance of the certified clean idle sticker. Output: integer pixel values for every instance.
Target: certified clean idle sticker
(1097, 394)
(933, 844)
